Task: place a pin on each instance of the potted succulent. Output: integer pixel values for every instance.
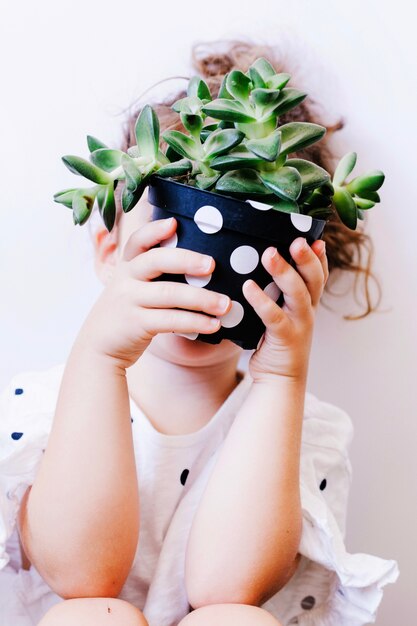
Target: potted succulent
(231, 184)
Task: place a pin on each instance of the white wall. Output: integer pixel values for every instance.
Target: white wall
(69, 68)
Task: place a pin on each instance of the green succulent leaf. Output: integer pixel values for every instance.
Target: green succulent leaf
(108, 208)
(370, 195)
(371, 181)
(199, 88)
(65, 197)
(162, 158)
(178, 168)
(206, 182)
(264, 68)
(256, 78)
(220, 141)
(207, 130)
(242, 182)
(82, 205)
(229, 110)
(239, 85)
(345, 207)
(278, 81)
(192, 123)
(106, 159)
(312, 175)
(286, 205)
(285, 182)
(182, 144)
(223, 93)
(101, 196)
(80, 166)
(133, 176)
(361, 215)
(147, 132)
(172, 155)
(94, 144)
(318, 199)
(298, 135)
(265, 97)
(320, 213)
(288, 99)
(266, 148)
(190, 104)
(344, 168)
(131, 198)
(133, 151)
(361, 203)
(327, 188)
(239, 157)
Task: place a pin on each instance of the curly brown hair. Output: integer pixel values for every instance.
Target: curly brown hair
(344, 246)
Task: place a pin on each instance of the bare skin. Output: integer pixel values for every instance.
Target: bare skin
(113, 612)
(141, 345)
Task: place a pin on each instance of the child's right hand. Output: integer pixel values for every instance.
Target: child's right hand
(132, 308)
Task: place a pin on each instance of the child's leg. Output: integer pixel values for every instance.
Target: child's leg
(93, 612)
(229, 615)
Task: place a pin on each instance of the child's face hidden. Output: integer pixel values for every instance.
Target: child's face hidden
(170, 347)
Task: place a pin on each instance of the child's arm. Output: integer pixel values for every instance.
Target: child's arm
(245, 534)
(80, 522)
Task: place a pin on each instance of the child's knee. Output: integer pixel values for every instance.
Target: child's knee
(93, 612)
(229, 615)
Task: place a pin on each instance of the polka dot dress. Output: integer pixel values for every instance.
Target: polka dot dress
(330, 585)
(235, 233)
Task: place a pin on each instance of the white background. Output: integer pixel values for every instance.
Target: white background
(69, 69)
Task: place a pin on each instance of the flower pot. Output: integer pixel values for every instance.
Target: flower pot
(235, 233)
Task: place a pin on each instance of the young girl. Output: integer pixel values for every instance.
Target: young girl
(150, 479)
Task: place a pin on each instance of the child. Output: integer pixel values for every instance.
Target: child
(150, 480)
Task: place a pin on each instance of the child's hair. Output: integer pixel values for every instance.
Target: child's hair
(343, 245)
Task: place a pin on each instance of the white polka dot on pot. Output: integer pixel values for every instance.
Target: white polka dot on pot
(234, 316)
(301, 222)
(198, 281)
(208, 219)
(273, 291)
(171, 242)
(261, 206)
(244, 259)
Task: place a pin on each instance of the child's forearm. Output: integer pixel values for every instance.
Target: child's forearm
(245, 534)
(82, 518)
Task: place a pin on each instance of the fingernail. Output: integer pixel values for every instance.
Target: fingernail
(273, 253)
(206, 262)
(223, 303)
(169, 221)
(323, 247)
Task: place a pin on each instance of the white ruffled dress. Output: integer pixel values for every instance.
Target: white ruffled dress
(330, 587)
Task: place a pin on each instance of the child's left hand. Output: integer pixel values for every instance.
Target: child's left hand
(284, 349)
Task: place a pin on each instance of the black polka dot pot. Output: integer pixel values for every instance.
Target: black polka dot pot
(235, 233)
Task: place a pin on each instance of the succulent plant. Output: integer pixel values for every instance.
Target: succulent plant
(242, 152)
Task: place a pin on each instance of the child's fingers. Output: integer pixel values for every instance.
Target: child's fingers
(167, 294)
(296, 294)
(154, 321)
(148, 236)
(309, 267)
(270, 313)
(159, 261)
(319, 248)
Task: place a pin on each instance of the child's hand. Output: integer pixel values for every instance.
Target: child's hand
(132, 308)
(284, 349)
